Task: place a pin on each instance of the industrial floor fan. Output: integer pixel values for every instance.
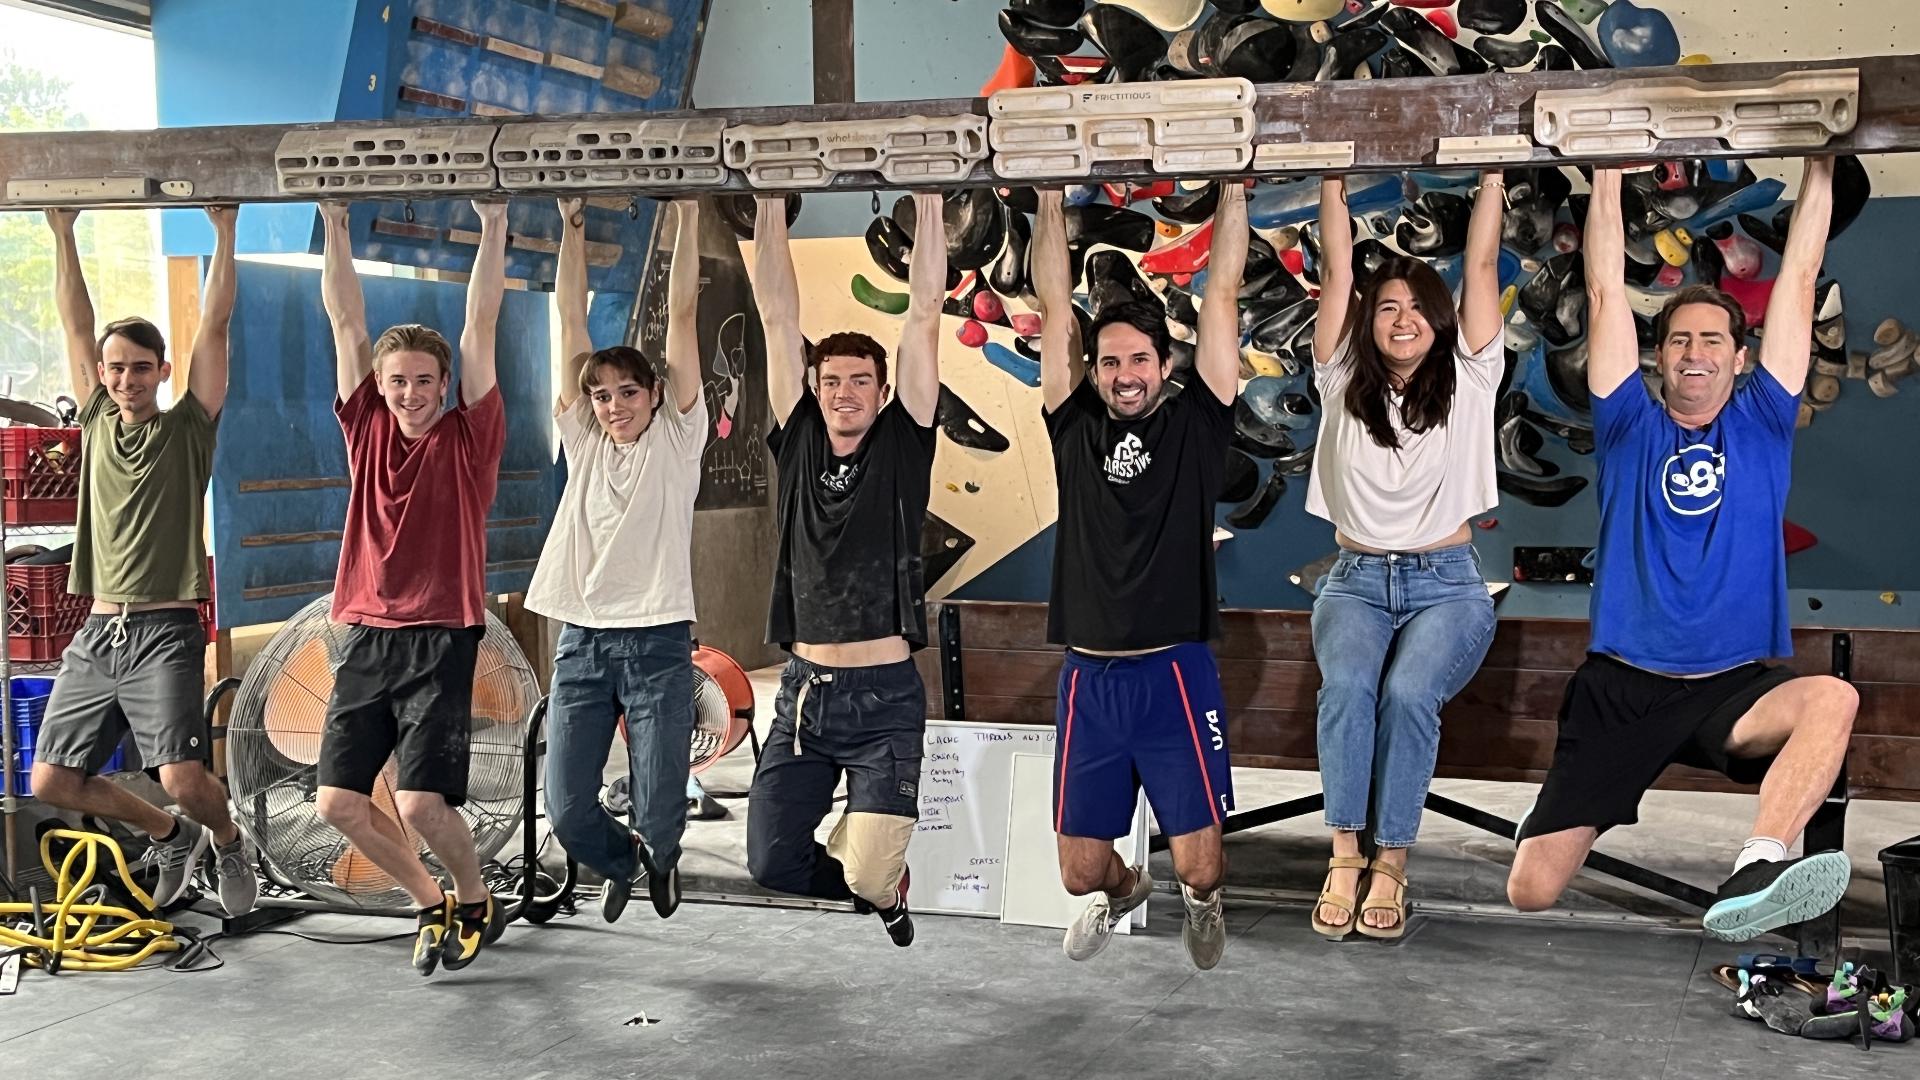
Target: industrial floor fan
(273, 747)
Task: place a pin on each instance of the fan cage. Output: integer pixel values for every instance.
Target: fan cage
(273, 746)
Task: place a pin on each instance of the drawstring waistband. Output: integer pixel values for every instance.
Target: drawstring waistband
(814, 678)
(117, 635)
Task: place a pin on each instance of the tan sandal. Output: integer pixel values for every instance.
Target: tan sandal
(1397, 905)
(1333, 899)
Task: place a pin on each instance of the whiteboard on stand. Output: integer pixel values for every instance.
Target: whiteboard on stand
(960, 844)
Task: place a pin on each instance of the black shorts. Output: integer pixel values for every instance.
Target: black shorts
(405, 693)
(1621, 726)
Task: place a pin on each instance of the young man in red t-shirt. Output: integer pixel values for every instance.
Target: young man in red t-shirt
(411, 588)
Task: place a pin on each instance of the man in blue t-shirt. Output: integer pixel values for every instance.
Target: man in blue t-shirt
(1690, 590)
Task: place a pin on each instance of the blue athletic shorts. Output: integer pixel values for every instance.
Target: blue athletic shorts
(1126, 723)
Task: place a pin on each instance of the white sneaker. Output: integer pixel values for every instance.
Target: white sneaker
(1205, 933)
(1094, 928)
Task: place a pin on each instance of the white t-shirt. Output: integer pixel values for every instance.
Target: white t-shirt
(620, 553)
(1418, 495)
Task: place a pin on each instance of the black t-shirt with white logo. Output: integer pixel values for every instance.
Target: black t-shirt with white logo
(849, 567)
(1133, 554)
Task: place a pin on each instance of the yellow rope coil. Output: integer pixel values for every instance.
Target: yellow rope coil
(86, 936)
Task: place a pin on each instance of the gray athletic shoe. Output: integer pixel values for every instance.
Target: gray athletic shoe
(233, 866)
(1205, 933)
(178, 858)
(1094, 928)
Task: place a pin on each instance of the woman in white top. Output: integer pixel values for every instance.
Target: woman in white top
(617, 571)
(1405, 459)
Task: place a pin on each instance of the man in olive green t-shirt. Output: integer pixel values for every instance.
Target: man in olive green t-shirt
(140, 552)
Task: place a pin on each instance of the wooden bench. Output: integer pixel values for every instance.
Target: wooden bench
(992, 664)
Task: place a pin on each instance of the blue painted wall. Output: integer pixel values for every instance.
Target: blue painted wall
(760, 52)
(278, 424)
(290, 67)
(348, 59)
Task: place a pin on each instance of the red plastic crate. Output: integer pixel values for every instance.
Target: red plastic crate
(42, 616)
(40, 470)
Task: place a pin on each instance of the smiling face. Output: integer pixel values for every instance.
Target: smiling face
(851, 393)
(132, 375)
(1699, 358)
(1401, 333)
(414, 387)
(1128, 371)
(623, 406)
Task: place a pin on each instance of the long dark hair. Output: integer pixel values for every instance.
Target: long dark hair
(1427, 397)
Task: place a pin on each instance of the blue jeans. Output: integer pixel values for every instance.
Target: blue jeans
(645, 673)
(1395, 636)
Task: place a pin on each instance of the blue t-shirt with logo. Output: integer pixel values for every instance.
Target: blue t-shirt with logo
(1691, 569)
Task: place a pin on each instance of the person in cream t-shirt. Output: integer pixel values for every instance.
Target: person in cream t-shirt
(617, 571)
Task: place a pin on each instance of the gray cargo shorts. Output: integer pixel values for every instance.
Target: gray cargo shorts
(145, 677)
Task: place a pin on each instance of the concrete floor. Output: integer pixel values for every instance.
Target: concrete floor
(774, 993)
(765, 992)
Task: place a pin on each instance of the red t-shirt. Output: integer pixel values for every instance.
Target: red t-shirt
(414, 552)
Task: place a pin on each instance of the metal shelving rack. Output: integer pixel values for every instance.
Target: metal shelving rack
(11, 801)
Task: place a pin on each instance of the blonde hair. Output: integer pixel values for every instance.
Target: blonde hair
(412, 337)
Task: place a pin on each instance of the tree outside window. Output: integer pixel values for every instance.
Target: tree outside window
(61, 75)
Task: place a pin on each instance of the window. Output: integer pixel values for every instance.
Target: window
(60, 74)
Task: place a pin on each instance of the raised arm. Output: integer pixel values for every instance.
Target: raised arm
(1336, 268)
(485, 289)
(777, 295)
(683, 306)
(1217, 352)
(1480, 285)
(1787, 349)
(1613, 349)
(570, 292)
(76, 310)
(917, 361)
(207, 369)
(346, 306)
(1061, 365)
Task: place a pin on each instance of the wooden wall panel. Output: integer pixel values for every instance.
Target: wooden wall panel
(1501, 727)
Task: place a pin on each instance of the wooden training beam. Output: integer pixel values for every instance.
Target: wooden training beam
(1090, 133)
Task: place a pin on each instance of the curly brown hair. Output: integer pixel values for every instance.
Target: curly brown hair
(850, 343)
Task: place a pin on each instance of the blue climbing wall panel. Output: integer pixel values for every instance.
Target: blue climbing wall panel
(403, 60)
(279, 490)
(280, 469)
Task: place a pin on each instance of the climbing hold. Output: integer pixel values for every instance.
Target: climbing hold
(1022, 369)
(972, 334)
(1584, 10)
(890, 303)
(988, 308)
(1635, 36)
(1492, 16)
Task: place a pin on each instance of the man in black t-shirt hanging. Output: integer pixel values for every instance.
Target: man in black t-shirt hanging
(1139, 462)
(849, 598)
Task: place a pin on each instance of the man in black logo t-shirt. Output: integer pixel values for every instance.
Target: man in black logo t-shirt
(849, 599)
(1139, 463)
